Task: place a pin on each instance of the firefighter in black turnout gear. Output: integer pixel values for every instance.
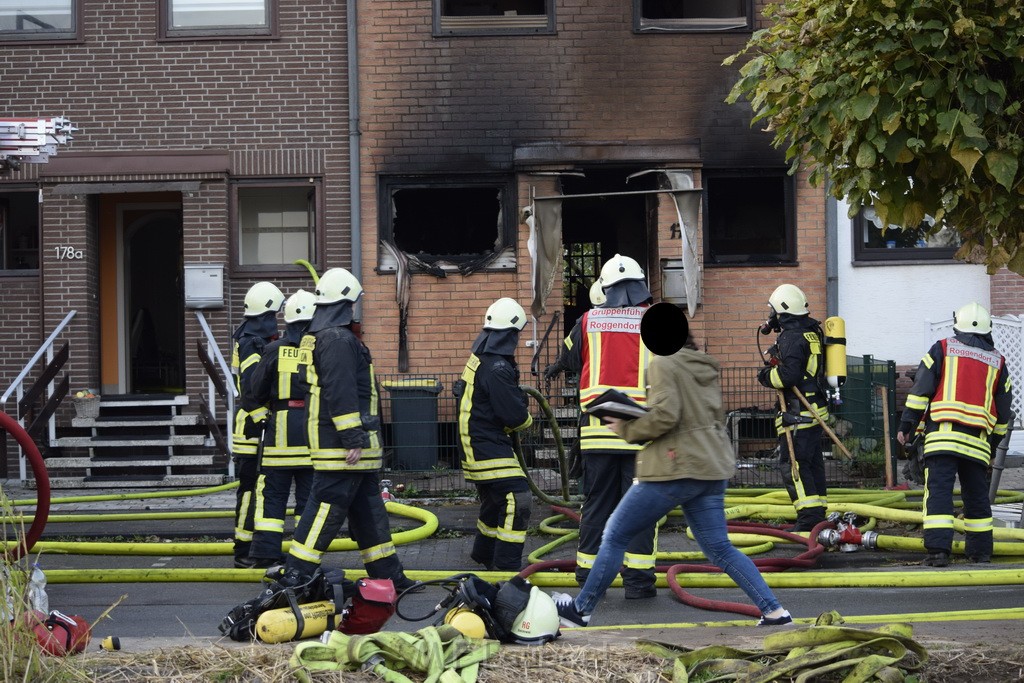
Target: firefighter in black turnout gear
(963, 393)
(276, 401)
(797, 361)
(492, 406)
(344, 443)
(258, 328)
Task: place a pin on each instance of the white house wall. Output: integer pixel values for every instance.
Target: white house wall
(885, 306)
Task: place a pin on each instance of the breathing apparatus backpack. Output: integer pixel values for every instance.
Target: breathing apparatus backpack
(289, 608)
(512, 611)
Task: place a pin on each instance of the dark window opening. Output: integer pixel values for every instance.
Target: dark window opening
(480, 17)
(873, 241)
(452, 221)
(19, 230)
(749, 217)
(692, 15)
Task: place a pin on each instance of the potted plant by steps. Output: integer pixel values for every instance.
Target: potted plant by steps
(87, 403)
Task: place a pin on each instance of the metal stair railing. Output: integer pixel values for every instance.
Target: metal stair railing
(44, 387)
(217, 384)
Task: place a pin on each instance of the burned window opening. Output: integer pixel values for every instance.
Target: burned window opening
(749, 217)
(464, 224)
(476, 8)
(692, 15)
(493, 17)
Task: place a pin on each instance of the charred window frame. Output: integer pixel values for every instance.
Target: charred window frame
(676, 16)
(275, 222)
(874, 243)
(449, 221)
(19, 231)
(493, 17)
(749, 217)
(40, 21)
(216, 19)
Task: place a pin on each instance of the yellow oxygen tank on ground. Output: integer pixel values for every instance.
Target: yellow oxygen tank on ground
(280, 626)
(835, 354)
(467, 622)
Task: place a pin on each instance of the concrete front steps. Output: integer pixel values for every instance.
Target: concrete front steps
(136, 441)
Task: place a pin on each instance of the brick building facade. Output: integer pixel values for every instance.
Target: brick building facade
(224, 141)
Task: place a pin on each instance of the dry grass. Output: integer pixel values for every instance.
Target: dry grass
(556, 662)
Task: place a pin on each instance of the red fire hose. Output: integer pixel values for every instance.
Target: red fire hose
(11, 426)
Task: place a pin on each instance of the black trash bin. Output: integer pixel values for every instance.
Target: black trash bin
(414, 422)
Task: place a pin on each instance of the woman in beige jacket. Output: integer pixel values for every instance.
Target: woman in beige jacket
(687, 461)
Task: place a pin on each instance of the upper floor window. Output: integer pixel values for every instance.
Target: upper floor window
(466, 222)
(217, 18)
(749, 216)
(481, 17)
(19, 231)
(40, 19)
(873, 241)
(692, 15)
(276, 223)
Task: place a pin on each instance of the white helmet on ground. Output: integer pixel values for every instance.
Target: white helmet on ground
(972, 318)
(337, 284)
(299, 306)
(597, 297)
(261, 298)
(505, 314)
(538, 623)
(788, 299)
(620, 268)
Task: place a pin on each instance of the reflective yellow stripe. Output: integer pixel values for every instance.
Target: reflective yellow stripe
(635, 561)
(585, 561)
(488, 531)
(915, 402)
(377, 552)
(938, 522)
(347, 421)
(307, 551)
(259, 414)
(978, 525)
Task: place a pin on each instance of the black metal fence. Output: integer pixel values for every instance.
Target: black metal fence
(422, 449)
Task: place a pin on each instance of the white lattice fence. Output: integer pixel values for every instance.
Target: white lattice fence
(1008, 335)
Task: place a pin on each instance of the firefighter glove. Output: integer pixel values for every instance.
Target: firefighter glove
(252, 430)
(552, 371)
(763, 376)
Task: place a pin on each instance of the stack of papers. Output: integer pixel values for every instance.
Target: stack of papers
(614, 403)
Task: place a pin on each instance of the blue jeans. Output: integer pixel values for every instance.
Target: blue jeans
(646, 502)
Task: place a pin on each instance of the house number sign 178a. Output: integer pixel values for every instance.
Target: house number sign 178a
(66, 253)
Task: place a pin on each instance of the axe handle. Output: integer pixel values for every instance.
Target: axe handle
(793, 468)
(828, 430)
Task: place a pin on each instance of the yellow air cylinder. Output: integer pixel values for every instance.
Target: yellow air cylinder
(467, 622)
(279, 625)
(835, 352)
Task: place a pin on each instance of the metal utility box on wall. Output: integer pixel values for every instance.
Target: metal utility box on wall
(204, 286)
(673, 285)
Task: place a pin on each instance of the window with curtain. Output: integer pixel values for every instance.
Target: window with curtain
(874, 241)
(275, 224)
(39, 19)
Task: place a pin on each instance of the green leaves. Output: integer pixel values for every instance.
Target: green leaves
(922, 95)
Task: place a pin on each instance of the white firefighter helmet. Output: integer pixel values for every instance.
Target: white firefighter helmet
(261, 298)
(337, 284)
(538, 623)
(620, 268)
(597, 297)
(505, 314)
(299, 306)
(972, 318)
(788, 299)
